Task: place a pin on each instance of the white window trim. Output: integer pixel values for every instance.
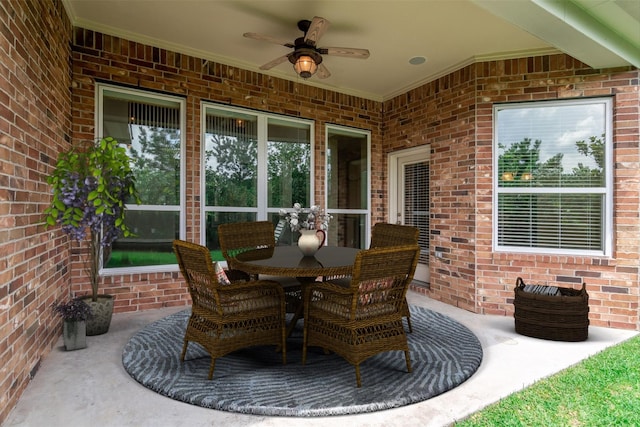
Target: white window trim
(100, 88)
(608, 190)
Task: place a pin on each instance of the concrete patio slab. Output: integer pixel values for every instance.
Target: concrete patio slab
(89, 387)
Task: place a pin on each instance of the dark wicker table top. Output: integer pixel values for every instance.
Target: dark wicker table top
(289, 261)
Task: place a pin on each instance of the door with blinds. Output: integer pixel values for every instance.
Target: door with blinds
(409, 198)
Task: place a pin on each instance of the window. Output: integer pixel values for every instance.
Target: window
(348, 186)
(553, 180)
(254, 165)
(151, 126)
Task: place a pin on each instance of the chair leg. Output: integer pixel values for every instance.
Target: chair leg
(407, 358)
(406, 313)
(211, 368)
(284, 346)
(184, 350)
(409, 323)
(304, 344)
(358, 382)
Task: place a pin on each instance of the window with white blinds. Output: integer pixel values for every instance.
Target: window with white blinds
(553, 180)
(151, 127)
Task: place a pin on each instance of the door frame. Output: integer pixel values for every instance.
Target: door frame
(421, 153)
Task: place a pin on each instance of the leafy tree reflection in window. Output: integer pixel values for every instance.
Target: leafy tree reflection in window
(232, 146)
(520, 165)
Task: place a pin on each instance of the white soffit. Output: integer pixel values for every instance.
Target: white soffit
(600, 33)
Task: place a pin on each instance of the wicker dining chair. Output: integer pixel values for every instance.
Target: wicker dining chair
(229, 316)
(365, 318)
(384, 234)
(259, 237)
(239, 237)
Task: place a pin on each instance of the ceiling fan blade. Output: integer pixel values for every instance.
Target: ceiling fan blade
(323, 72)
(277, 61)
(269, 39)
(347, 52)
(316, 30)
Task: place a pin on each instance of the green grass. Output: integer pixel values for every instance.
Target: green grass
(603, 390)
(139, 258)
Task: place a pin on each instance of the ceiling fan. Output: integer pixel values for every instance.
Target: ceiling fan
(307, 56)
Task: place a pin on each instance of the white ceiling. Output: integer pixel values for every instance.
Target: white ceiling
(448, 33)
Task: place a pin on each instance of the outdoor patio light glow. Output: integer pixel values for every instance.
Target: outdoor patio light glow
(305, 61)
(305, 66)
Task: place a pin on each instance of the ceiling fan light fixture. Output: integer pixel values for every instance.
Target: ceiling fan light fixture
(305, 66)
(305, 61)
(306, 57)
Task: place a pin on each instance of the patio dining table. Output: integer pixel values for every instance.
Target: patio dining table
(288, 261)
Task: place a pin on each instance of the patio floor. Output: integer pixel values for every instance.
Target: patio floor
(90, 386)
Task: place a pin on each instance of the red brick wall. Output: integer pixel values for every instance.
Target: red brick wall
(613, 284)
(35, 105)
(110, 59)
(454, 116)
(442, 114)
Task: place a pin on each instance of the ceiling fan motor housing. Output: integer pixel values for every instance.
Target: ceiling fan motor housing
(303, 25)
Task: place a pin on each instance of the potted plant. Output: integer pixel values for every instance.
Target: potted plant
(91, 184)
(74, 327)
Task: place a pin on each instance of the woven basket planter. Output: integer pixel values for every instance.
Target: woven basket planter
(563, 317)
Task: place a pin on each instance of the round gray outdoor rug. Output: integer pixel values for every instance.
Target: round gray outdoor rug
(444, 354)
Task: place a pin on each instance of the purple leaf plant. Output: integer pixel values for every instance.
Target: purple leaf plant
(91, 184)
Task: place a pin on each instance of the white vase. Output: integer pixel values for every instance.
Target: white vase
(310, 241)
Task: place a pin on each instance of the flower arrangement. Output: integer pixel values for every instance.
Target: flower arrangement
(75, 309)
(312, 218)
